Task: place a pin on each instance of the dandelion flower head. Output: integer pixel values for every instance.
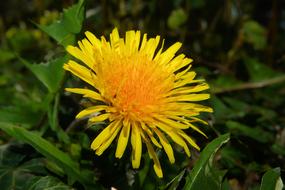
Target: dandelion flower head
(145, 94)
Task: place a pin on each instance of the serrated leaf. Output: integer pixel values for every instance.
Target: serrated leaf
(272, 180)
(64, 30)
(203, 175)
(50, 74)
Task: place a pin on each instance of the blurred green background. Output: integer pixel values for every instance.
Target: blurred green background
(237, 46)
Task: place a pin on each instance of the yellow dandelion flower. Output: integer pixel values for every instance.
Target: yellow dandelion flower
(147, 95)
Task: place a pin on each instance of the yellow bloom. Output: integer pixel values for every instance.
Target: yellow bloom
(146, 94)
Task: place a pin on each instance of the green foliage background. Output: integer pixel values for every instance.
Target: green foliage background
(237, 46)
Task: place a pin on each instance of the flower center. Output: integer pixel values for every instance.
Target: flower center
(135, 85)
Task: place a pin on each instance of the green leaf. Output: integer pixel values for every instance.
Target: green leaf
(231, 156)
(254, 133)
(47, 149)
(64, 30)
(259, 71)
(224, 81)
(54, 168)
(265, 113)
(173, 184)
(278, 149)
(20, 38)
(6, 55)
(75, 151)
(254, 34)
(220, 108)
(226, 185)
(143, 173)
(15, 171)
(50, 74)
(203, 175)
(238, 107)
(236, 104)
(272, 180)
(47, 182)
(53, 113)
(177, 18)
(19, 115)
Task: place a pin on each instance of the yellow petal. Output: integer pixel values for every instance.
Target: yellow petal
(80, 71)
(99, 118)
(197, 129)
(183, 72)
(189, 139)
(94, 41)
(86, 92)
(81, 55)
(106, 46)
(137, 40)
(169, 53)
(115, 39)
(188, 90)
(130, 37)
(132, 41)
(188, 78)
(108, 141)
(143, 43)
(172, 123)
(199, 120)
(88, 48)
(198, 88)
(157, 56)
(137, 146)
(150, 46)
(152, 154)
(180, 64)
(91, 110)
(174, 136)
(192, 106)
(123, 139)
(105, 134)
(189, 98)
(150, 135)
(154, 141)
(185, 121)
(166, 145)
(178, 140)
